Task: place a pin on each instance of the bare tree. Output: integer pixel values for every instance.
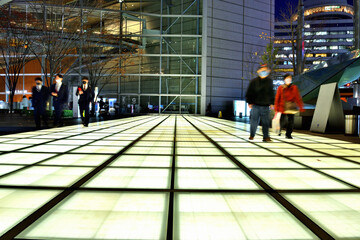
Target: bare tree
(14, 47)
(100, 58)
(269, 56)
(55, 36)
(252, 61)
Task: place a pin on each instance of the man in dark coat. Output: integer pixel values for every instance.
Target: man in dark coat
(86, 97)
(60, 94)
(260, 96)
(40, 96)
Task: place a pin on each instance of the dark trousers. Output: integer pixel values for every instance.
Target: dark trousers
(84, 110)
(58, 108)
(260, 113)
(38, 113)
(290, 123)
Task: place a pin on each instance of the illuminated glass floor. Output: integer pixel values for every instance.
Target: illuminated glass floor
(176, 177)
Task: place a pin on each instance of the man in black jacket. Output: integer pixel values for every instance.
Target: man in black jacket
(259, 96)
(60, 94)
(40, 96)
(86, 97)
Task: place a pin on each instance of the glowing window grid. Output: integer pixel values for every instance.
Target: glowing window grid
(125, 176)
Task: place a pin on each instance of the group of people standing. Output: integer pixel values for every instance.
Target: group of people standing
(60, 94)
(261, 98)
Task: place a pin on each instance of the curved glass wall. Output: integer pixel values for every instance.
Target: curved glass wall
(154, 46)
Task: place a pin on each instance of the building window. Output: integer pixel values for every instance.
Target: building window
(321, 55)
(322, 33)
(334, 47)
(320, 48)
(320, 40)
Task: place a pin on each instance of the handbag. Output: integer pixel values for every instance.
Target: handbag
(290, 107)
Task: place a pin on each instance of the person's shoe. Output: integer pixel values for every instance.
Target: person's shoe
(251, 138)
(289, 137)
(86, 125)
(267, 140)
(279, 134)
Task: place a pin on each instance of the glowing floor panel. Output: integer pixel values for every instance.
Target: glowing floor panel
(176, 177)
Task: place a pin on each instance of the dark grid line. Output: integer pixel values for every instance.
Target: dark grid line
(190, 168)
(185, 190)
(22, 225)
(170, 223)
(193, 190)
(300, 163)
(314, 141)
(57, 139)
(315, 228)
(26, 166)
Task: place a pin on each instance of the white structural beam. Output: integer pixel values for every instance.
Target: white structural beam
(3, 2)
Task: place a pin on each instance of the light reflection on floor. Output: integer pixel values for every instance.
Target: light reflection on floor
(122, 184)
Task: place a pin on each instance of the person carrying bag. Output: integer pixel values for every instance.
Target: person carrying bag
(288, 102)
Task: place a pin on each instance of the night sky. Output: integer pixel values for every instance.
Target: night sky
(280, 4)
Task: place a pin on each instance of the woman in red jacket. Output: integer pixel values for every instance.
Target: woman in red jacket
(287, 101)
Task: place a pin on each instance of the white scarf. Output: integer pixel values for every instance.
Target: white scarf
(58, 86)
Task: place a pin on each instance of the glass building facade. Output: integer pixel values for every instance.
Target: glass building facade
(155, 49)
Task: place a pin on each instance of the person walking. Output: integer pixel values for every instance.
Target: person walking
(287, 102)
(24, 103)
(60, 94)
(40, 96)
(260, 96)
(86, 97)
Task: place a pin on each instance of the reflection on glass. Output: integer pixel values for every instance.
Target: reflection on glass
(299, 179)
(268, 162)
(213, 179)
(4, 169)
(325, 162)
(234, 216)
(92, 215)
(131, 178)
(49, 148)
(15, 205)
(338, 214)
(98, 149)
(204, 162)
(142, 161)
(10, 147)
(45, 176)
(77, 160)
(24, 158)
(150, 150)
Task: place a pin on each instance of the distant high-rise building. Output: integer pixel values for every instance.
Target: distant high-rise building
(329, 31)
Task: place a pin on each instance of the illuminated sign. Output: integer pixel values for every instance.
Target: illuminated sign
(329, 8)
